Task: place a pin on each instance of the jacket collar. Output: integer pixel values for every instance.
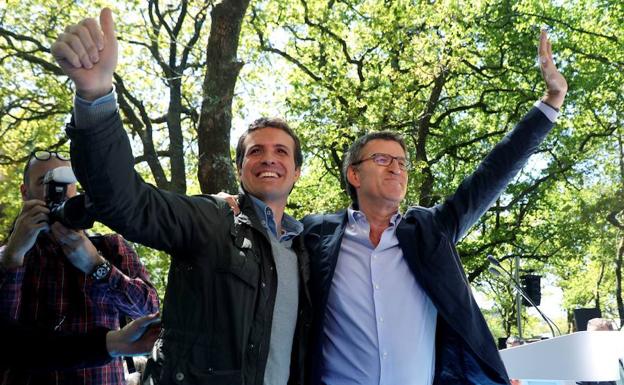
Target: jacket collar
(290, 226)
(332, 238)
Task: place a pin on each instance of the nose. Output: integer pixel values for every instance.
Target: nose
(268, 159)
(394, 166)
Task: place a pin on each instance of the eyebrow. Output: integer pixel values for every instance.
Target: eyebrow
(385, 153)
(278, 145)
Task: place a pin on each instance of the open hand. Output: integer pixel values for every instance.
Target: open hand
(556, 85)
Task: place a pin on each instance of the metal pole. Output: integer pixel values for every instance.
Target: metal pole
(518, 297)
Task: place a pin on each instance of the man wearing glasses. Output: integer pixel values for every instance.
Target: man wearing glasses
(59, 279)
(392, 303)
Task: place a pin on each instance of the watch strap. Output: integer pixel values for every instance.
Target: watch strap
(101, 271)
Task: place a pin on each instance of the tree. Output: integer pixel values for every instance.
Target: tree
(453, 79)
(163, 108)
(159, 103)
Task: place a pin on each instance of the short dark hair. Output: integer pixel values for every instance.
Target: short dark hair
(354, 154)
(26, 172)
(264, 122)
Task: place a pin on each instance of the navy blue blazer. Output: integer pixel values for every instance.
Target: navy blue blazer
(465, 349)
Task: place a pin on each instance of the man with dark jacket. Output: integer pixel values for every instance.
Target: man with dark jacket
(236, 308)
(392, 303)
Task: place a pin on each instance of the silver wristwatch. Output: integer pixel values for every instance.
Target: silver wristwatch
(101, 271)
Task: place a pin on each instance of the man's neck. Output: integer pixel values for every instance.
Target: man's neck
(378, 217)
(277, 207)
(278, 213)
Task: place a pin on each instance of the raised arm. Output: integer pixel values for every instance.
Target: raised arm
(479, 190)
(102, 156)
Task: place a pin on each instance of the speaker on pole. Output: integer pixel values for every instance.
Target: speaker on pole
(531, 286)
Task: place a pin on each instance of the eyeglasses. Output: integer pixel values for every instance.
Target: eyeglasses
(46, 155)
(385, 160)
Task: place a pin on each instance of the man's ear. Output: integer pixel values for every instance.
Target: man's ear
(24, 191)
(297, 173)
(353, 176)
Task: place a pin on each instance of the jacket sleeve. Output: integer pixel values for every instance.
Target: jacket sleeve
(118, 197)
(128, 286)
(32, 349)
(479, 190)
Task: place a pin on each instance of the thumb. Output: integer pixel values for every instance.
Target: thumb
(108, 24)
(149, 319)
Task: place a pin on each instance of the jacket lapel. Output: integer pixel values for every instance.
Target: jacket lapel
(331, 236)
(410, 244)
(332, 231)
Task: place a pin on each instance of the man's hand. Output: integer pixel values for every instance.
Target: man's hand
(87, 53)
(231, 200)
(136, 338)
(556, 85)
(32, 219)
(77, 247)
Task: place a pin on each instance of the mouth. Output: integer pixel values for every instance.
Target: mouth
(268, 175)
(394, 182)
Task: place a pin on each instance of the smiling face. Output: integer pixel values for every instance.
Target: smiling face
(377, 185)
(268, 169)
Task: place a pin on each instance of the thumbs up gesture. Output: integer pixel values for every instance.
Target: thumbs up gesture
(87, 53)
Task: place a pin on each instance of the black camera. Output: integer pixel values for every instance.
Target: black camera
(70, 212)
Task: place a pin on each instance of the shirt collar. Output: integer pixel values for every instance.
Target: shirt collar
(290, 226)
(356, 217)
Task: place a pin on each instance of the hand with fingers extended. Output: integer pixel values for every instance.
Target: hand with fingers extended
(87, 53)
(77, 247)
(32, 219)
(556, 85)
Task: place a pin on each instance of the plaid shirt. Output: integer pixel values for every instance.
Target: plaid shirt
(48, 291)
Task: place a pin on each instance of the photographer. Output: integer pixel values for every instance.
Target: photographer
(60, 279)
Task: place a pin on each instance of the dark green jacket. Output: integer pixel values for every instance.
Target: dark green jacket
(222, 281)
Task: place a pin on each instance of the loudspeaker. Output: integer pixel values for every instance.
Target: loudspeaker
(581, 316)
(531, 286)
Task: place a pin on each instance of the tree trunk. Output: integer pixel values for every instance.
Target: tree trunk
(425, 198)
(176, 139)
(215, 172)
